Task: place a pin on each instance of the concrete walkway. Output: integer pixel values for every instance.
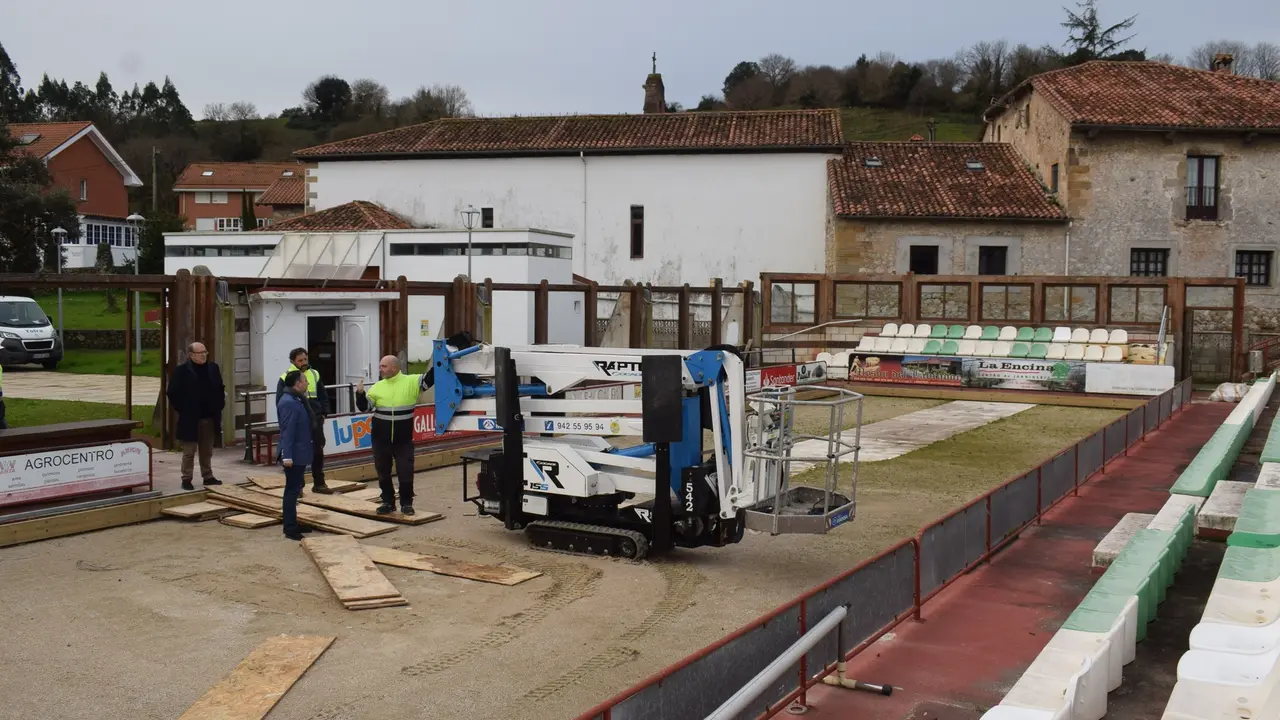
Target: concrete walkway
(898, 436)
(47, 385)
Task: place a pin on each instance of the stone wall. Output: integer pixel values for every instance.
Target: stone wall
(1041, 136)
(106, 339)
(882, 246)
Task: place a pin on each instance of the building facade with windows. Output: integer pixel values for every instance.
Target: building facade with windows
(211, 195)
(660, 197)
(1163, 170)
(84, 164)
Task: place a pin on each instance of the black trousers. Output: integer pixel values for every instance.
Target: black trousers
(294, 478)
(402, 453)
(317, 465)
(3, 425)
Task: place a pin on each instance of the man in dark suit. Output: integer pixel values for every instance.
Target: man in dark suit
(295, 415)
(197, 394)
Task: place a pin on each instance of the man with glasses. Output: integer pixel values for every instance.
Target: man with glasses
(196, 393)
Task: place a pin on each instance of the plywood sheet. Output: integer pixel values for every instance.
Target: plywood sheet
(196, 511)
(267, 481)
(263, 504)
(375, 604)
(368, 494)
(497, 574)
(355, 506)
(249, 520)
(260, 680)
(348, 569)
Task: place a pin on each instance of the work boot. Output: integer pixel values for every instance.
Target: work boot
(386, 509)
(406, 509)
(186, 485)
(213, 481)
(322, 489)
(304, 529)
(293, 535)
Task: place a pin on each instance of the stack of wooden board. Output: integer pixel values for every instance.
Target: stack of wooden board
(342, 503)
(249, 521)
(271, 482)
(264, 504)
(444, 566)
(349, 571)
(198, 511)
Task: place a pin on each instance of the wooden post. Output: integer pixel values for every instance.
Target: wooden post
(589, 319)
(975, 302)
(1238, 365)
(487, 314)
(541, 307)
(128, 355)
(684, 323)
(717, 311)
(636, 325)
(748, 315)
(166, 368)
(400, 317)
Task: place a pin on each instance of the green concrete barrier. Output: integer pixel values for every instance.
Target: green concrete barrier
(1214, 461)
(1250, 564)
(1144, 568)
(1259, 523)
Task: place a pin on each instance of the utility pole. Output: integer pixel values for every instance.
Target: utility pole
(933, 130)
(155, 189)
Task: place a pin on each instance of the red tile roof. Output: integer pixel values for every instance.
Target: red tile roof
(1156, 95)
(352, 217)
(285, 191)
(235, 176)
(659, 132)
(51, 135)
(933, 180)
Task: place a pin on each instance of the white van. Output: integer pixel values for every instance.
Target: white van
(26, 335)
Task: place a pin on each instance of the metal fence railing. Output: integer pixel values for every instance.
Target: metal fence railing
(883, 591)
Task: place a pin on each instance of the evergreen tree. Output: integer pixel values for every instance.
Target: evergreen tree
(1088, 39)
(247, 220)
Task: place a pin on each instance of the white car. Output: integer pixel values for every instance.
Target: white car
(26, 335)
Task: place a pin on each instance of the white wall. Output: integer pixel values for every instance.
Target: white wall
(75, 257)
(730, 216)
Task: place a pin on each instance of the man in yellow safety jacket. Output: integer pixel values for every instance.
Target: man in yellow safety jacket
(318, 398)
(392, 400)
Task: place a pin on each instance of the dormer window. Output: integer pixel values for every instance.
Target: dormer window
(974, 165)
(207, 173)
(28, 138)
(287, 173)
(872, 162)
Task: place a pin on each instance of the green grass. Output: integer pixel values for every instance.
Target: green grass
(21, 412)
(87, 309)
(108, 362)
(870, 124)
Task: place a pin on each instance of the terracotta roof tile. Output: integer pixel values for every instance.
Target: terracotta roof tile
(670, 132)
(232, 176)
(50, 135)
(916, 179)
(355, 216)
(285, 191)
(1156, 95)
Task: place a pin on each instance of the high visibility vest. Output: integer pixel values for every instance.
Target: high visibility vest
(313, 379)
(394, 398)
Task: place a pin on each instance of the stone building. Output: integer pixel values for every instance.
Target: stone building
(940, 209)
(1162, 170)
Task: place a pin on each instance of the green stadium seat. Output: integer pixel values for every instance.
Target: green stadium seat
(1039, 351)
(991, 332)
(1025, 335)
(1019, 350)
(933, 347)
(950, 347)
(939, 332)
(956, 332)
(1044, 335)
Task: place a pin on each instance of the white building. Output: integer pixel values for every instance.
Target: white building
(666, 198)
(361, 240)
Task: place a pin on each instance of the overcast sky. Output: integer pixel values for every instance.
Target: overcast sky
(537, 56)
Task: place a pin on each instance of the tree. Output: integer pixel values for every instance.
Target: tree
(105, 261)
(151, 241)
(30, 208)
(754, 93)
(369, 98)
(216, 112)
(986, 66)
(740, 73)
(778, 70)
(1260, 61)
(243, 111)
(1088, 39)
(709, 102)
(327, 99)
(248, 222)
(1266, 61)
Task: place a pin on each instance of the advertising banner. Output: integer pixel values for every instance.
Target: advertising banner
(1121, 379)
(53, 474)
(905, 369)
(1024, 374)
(1011, 373)
(352, 433)
(785, 375)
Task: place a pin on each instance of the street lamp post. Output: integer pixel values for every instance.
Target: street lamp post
(59, 234)
(469, 220)
(136, 221)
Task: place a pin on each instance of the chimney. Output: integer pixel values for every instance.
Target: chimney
(1222, 62)
(655, 97)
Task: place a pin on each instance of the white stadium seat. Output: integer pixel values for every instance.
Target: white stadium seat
(1008, 333)
(1093, 353)
(1001, 349)
(1119, 337)
(906, 330)
(889, 330)
(867, 343)
(1080, 335)
(1075, 351)
(916, 345)
(1112, 353)
(1098, 337)
(899, 345)
(883, 344)
(973, 332)
(1057, 351)
(1062, 335)
(966, 347)
(984, 348)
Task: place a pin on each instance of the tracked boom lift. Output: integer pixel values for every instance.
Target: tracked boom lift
(558, 478)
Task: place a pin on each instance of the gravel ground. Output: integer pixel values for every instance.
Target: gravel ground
(138, 622)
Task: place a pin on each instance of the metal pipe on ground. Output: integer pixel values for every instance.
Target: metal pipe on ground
(758, 684)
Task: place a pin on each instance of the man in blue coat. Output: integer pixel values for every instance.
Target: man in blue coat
(294, 414)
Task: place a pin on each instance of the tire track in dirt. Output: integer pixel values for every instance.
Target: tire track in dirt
(681, 581)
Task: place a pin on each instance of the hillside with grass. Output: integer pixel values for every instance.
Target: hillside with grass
(873, 124)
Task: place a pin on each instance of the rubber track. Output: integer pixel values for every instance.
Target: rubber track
(642, 543)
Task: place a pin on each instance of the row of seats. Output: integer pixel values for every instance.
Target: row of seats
(988, 348)
(1063, 335)
(1214, 460)
(1232, 669)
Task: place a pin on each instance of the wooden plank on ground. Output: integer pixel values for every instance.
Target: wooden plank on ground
(267, 482)
(355, 506)
(52, 526)
(444, 566)
(264, 504)
(369, 494)
(255, 685)
(345, 486)
(198, 511)
(375, 604)
(348, 570)
(249, 521)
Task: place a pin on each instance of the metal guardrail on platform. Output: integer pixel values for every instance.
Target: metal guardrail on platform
(883, 591)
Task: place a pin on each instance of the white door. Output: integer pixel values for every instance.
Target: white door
(354, 351)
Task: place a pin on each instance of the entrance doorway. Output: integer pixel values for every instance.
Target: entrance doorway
(322, 349)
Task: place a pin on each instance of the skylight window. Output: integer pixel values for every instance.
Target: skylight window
(873, 162)
(28, 138)
(287, 173)
(207, 173)
(974, 165)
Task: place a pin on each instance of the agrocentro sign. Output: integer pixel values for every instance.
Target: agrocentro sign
(52, 474)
